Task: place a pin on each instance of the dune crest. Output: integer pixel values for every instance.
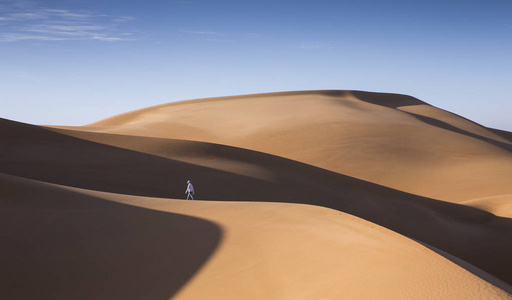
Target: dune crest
(499, 205)
(392, 140)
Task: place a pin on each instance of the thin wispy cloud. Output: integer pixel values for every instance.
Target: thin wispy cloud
(201, 32)
(27, 16)
(13, 37)
(43, 24)
(123, 19)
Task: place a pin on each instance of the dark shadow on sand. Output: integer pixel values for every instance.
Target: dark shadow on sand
(387, 99)
(469, 267)
(398, 100)
(504, 134)
(57, 244)
(446, 126)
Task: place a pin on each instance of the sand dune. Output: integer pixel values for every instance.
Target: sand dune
(153, 167)
(86, 248)
(424, 173)
(392, 140)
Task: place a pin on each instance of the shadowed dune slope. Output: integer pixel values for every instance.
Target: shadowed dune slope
(505, 134)
(59, 244)
(498, 205)
(392, 140)
(159, 167)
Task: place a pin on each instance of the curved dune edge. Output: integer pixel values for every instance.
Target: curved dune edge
(392, 140)
(500, 205)
(60, 244)
(294, 251)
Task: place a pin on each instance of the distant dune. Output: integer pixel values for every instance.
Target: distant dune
(392, 140)
(303, 195)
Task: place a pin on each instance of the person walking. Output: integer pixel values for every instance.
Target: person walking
(190, 190)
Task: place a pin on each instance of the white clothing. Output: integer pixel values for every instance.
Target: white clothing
(190, 188)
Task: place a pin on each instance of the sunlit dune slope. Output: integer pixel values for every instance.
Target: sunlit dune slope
(392, 140)
(68, 243)
(159, 167)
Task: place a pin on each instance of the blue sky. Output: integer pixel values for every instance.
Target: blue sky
(72, 62)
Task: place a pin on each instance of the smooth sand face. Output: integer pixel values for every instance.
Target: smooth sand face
(288, 251)
(82, 222)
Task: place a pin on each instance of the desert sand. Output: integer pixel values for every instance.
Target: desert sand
(303, 195)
